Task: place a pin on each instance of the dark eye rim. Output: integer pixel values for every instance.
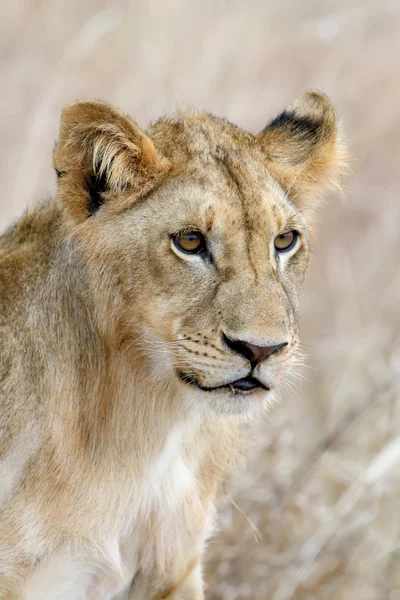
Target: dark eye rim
(202, 248)
(296, 236)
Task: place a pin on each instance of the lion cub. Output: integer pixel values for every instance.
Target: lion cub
(146, 312)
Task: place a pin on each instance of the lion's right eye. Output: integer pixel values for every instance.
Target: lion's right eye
(189, 241)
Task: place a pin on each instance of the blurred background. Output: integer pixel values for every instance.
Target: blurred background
(315, 512)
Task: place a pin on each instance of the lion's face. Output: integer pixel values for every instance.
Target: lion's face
(212, 280)
(205, 260)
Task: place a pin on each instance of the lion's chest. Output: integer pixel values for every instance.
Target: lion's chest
(167, 524)
(169, 517)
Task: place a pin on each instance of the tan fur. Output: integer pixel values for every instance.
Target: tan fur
(110, 461)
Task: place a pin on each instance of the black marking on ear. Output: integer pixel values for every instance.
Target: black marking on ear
(96, 186)
(300, 126)
(59, 173)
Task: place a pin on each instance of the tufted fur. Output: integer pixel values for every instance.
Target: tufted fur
(118, 417)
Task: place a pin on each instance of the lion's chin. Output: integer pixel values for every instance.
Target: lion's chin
(247, 398)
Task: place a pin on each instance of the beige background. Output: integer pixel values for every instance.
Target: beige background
(320, 490)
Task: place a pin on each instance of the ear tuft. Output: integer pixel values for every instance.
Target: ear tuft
(306, 149)
(101, 154)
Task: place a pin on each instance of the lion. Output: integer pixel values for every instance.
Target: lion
(147, 313)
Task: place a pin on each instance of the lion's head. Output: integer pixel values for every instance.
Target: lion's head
(197, 234)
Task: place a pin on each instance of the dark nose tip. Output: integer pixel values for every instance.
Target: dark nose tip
(253, 353)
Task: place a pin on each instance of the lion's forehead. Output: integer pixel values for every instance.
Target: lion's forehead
(217, 154)
(237, 192)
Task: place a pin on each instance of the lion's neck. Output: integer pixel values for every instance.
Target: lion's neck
(104, 401)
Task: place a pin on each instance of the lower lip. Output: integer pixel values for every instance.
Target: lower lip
(247, 384)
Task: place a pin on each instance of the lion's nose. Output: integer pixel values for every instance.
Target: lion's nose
(253, 353)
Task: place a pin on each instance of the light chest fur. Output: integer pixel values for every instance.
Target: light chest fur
(143, 531)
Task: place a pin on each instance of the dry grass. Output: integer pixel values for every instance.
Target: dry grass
(322, 480)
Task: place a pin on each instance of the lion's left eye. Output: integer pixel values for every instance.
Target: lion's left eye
(285, 241)
(190, 242)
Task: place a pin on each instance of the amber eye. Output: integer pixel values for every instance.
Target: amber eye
(285, 241)
(190, 241)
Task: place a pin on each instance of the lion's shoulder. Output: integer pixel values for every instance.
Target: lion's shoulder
(26, 248)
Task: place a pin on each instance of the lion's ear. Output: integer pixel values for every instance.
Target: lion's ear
(306, 151)
(102, 156)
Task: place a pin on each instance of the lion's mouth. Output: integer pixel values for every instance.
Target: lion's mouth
(245, 385)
